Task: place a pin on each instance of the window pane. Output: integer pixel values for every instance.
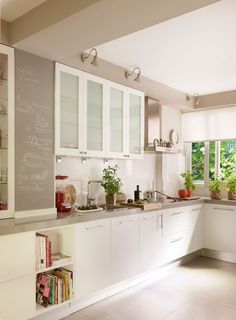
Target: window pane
(198, 153)
(227, 158)
(212, 149)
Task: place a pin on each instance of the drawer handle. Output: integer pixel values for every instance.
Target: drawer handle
(221, 209)
(95, 227)
(194, 210)
(176, 240)
(176, 213)
(127, 221)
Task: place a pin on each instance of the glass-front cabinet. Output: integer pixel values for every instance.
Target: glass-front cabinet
(6, 132)
(96, 117)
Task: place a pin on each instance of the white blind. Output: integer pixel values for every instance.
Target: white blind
(211, 124)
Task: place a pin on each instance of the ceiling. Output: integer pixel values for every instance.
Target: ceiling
(194, 53)
(13, 9)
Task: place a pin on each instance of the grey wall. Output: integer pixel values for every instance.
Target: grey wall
(34, 132)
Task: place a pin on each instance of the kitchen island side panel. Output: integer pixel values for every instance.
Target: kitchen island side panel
(34, 132)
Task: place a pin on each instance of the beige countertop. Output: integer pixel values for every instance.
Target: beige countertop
(10, 226)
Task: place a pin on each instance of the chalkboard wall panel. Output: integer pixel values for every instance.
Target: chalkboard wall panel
(34, 132)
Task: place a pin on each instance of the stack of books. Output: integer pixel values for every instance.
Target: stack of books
(44, 256)
(43, 251)
(55, 287)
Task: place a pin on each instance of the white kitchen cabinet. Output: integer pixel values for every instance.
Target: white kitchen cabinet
(93, 257)
(194, 228)
(150, 240)
(182, 231)
(219, 227)
(95, 117)
(17, 299)
(68, 110)
(135, 124)
(17, 255)
(6, 132)
(124, 247)
(174, 233)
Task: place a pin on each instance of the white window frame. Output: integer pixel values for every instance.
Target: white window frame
(188, 161)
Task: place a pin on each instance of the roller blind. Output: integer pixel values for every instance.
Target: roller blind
(211, 124)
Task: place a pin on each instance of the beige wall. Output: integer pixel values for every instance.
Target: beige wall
(218, 99)
(5, 32)
(154, 89)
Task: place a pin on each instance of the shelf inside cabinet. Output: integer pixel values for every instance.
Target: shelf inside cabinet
(41, 309)
(1, 182)
(62, 265)
(3, 114)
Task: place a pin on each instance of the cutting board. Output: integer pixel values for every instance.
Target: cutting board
(143, 206)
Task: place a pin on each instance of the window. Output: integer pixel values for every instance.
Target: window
(211, 159)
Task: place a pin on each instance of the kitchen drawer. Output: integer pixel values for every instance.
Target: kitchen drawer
(174, 247)
(174, 221)
(17, 255)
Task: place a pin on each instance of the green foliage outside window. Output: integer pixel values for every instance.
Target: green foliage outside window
(227, 159)
(198, 152)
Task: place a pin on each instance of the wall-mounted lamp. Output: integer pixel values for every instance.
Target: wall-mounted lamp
(83, 160)
(194, 97)
(130, 73)
(93, 53)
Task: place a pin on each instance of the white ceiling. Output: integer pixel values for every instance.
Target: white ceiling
(13, 9)
(194, 53)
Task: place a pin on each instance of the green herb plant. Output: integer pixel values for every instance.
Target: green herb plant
(231, 183)
(188, 180)
(215, 186)
(110, 181)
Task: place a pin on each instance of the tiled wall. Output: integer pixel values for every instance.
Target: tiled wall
(152, 170)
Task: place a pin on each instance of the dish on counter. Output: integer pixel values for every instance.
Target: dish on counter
(86, 209)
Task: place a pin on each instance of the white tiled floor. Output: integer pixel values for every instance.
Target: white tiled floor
(204, 289)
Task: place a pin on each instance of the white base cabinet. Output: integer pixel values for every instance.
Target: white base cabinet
(150, 240)
(124, 247)
(93, 257)
(220, 227)
(17, 299)
(182, 232)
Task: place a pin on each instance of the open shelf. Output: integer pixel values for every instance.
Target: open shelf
(41, 309)
(61, 265)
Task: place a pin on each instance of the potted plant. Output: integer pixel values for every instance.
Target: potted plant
(188, 183)
(231, 186)
(215, 189)
(111, 183)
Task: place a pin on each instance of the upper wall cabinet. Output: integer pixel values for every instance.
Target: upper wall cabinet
(96, 117)
(6, 131)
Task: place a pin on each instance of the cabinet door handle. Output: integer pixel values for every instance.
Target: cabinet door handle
(81, 152)
(176, 213)
(176, 240)
(196, 209)
(222, 209)
(127, 155)
(95, 227)
(127, 221)
(85, 152)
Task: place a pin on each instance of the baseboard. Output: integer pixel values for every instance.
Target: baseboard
(219, 255)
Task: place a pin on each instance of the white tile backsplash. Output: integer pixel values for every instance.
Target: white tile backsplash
(151, 170)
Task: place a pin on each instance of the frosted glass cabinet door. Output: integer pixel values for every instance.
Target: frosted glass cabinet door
(95, 116)
(116, 120)
(135, 124)
(69, 111)
(6, 132)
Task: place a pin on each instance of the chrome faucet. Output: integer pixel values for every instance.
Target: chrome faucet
(89, 198)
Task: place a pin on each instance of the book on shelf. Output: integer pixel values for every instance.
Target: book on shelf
(54, 287)
(59, 258)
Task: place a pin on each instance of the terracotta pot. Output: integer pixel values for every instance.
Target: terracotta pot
(232, 195)
(216, 195)
(189, 193)
(182, 193)
(110, 199)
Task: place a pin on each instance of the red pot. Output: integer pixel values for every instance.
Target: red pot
(189, 193)
(182, 193)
